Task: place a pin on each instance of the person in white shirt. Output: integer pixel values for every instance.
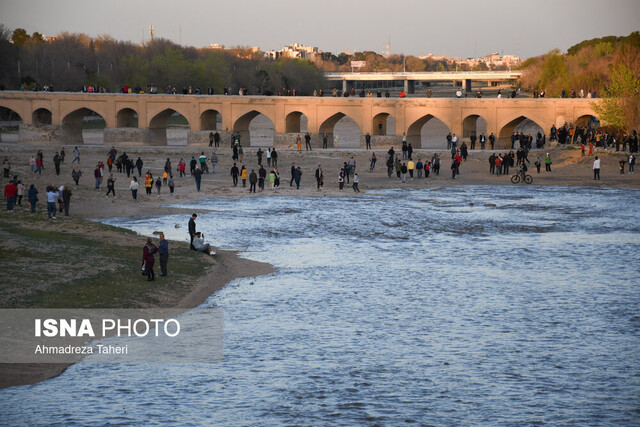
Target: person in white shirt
(200, 245)
(596, 169)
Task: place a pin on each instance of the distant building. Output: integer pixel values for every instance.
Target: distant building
(294, 51)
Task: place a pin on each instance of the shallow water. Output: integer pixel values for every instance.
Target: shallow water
(391, 308)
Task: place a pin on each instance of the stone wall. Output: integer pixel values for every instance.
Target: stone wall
(49, 134)
(127, 136)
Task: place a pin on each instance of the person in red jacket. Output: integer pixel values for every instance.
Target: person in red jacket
(10, 192)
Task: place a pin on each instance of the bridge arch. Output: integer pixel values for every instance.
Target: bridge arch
(345, 127)
(41, 116)
(84, 125)
(159, 127)
(522, 124)
(381, 125)
(12, 120)
(127, 118)
(430, 129)
(296, 122)
(255, 132)
(209, 119)
(474, 124)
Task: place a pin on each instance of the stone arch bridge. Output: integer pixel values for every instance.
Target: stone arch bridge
(56, 117)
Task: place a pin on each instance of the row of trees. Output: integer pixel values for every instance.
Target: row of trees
(70, 61)
(608, 65)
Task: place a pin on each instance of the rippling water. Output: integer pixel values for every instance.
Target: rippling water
(401, 307)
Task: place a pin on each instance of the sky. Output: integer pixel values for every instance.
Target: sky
(463, 28)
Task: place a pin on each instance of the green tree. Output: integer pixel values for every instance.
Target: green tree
(620, 106)
(20, 36)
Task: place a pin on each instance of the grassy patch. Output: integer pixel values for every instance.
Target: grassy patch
(74, 263)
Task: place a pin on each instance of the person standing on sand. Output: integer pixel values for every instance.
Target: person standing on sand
(596, 169)
(192, 229)
(111, 186)
(243, 176)
(158, 185)
(253, 180)
(139, 164)
(171, 185)
(341, 179)
(148, 259)
(297, 177)
(632, 163)
(52, 195)
(33, 197)
(10, 192)
(538, 163)
(355, 183)
(293, 172)
(262, 176)
(163, 251)
(133, 186)
(492, 163)
(319, 177)
(274, 157)
(547, 163)
(66, 199)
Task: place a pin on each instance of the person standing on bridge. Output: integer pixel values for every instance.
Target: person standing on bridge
(483, 141)
(492, 140)
(367, 140)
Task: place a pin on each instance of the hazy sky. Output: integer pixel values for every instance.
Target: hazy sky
(452, 27)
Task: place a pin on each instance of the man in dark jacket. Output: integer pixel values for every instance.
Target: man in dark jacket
(192, 229)
(253, 179)
(234, 174)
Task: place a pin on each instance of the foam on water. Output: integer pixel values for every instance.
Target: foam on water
(390, 308)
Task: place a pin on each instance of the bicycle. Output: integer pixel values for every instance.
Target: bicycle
(521, 176)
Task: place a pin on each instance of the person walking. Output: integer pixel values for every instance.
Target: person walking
(297, 177)
(355, 183)
(197, 176)
(171, 185)
(341, 179)
(76, 155)
(372, 163)
(235, 172)
(163, 252)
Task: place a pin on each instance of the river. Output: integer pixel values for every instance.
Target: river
(444, 306)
